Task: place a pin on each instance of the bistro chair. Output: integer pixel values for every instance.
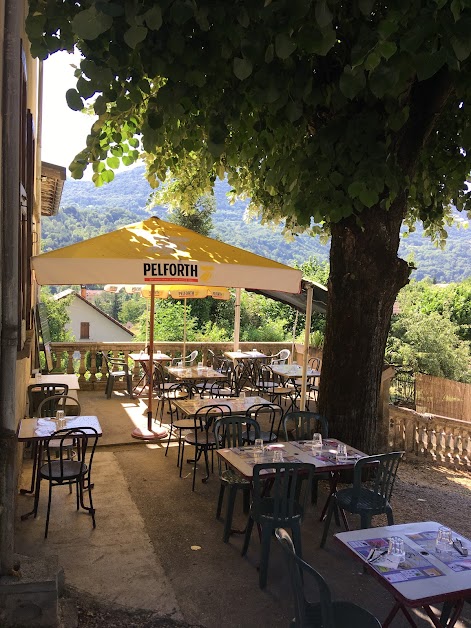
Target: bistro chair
(269, 386)
(301, 425)
(117, 369)
(202, 437)
(37, 393)
(219, 363)
(283, 506)
(370, 498)
(325, 613)
(68, 404)
(167, 393)
(62, 471)
(230, 387)
(178, 391)
(267, 416)
(228, 432)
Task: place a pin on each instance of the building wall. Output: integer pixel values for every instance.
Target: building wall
(101, 329)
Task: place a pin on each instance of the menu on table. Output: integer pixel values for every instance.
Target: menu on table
(453, 559)
(414, 567)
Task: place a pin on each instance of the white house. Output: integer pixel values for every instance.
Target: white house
(89, 323)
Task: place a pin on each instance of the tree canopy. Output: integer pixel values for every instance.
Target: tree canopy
(311, 107)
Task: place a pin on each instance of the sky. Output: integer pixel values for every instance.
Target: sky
(64, 131)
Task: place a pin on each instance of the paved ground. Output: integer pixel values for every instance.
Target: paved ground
(158, 547)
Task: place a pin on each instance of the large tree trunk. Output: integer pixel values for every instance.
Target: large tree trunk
(365, 277)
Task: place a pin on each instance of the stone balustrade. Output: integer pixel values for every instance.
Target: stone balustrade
(81, 357)
(430, 437)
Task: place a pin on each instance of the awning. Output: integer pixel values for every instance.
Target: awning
(52, 182)
(299, 301)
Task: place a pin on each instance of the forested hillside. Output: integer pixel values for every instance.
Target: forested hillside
(87, 211)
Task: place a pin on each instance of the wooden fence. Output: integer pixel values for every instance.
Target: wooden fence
(443, 397)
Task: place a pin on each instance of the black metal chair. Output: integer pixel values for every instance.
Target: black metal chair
(229, 387)
(283, 506)
(267, 416)
(367, 499)
(62, 471)
(38, 393)
(202, 437)
(117, 369)
(301, 425)
(325, 613)
(167, 392)
(229, 432)
(69, 405)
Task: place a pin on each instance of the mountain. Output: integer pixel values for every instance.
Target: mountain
(87, 211)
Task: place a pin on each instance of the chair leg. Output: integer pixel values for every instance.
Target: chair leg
(194, 467)
(264, 556)
(246, 500)
(248, 534)
(181, 457)
(328, 519)
(229, 514)
(390, 516)
(220, 500)
(49, 500)
(296, 531)
(365, 520)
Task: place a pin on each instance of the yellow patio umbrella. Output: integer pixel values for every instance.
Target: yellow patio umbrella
(157, 253)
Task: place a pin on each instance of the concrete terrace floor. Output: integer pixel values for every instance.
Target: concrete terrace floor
(158, 545)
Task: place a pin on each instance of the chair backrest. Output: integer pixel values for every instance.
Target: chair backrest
(315, 363)
(57, 449)
(271, 413)
(302, 424)
(229, 430)
(49, 406)
(296, 566)
(384, 475)
(206, 415)
(191, 358)
(114, 363)
(39, 392)
(290, 485)
(281, 357)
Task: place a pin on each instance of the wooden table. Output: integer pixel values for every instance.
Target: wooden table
(143, 359)
(36, 431)
(196, 373)
(424, 578)
(243, 459)
(237, 405)
(66, 379)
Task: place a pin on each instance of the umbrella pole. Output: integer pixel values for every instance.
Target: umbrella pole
(160, 432)
(184, 332)
(294, 335)
(307, 332)
(237, 320)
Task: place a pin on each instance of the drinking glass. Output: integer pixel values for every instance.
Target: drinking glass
(316, 442)
(60, 420)
(259, 444)
(200, 366)
(159, 352)
(242, 394)
(341, 452)
(396, 549)
(444, 540)
(277, 455)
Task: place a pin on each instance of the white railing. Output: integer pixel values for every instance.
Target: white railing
(430, 437)
(81, 357)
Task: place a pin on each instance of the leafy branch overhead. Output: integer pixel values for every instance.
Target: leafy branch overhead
(317, 110)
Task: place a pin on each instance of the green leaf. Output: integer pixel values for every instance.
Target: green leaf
(386, 49)
(127, 160)
(368, 197)
(461, 47)
(85, 88)
(107, 175)
(110, 8)
(323, 14)
(113, 162)
(243, 17)
(123, 103)
(269, 53)
(242, 68)
(372, 61)
(99, 106)
(73, 100)
(89, 24)
(153, 18)
(284, 46)
(355, 189)
(351, 83)
(294, 111)
(135, 35)
(456, 9)
(428, 64)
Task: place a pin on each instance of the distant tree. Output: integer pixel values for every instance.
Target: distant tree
(198, 218)
(58, 316)
(132, 310)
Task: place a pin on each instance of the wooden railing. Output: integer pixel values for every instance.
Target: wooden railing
(430, 437)
(81, 357)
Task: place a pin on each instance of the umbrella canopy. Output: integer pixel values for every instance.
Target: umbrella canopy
(158, 253)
